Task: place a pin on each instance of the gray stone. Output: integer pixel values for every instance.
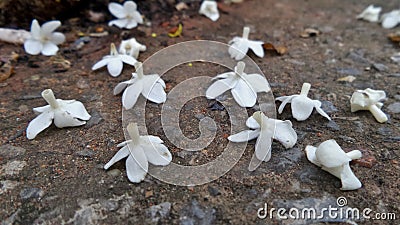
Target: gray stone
(384, 131)
(358, 57)
(359, 126)
(114, 172)
(86, 152)
(199, 116)
(213, 191)
(6, 185)
(394, 107)
(109, 205)
(12, 167)
(95, 119)
(349, 71)
(194, 213)
(333, 125)
(28, 193)
(347, 138)
(313, 175)
(8, 151)
(397, 97)
(380, 67)
(160, 211)
(328, 107)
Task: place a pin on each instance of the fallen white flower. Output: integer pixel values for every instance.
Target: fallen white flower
(244, 87)
(43, 39)
(140, 150)
(240, 46)
(266, 129)
(209, 9)
(391, 19)
(371, 14)
(66, 113)
(127, 14)
(14, 36)
(330, 156)
(369, 99)
(131, 47)
(150, 86)
(302, 106)
(114, 62)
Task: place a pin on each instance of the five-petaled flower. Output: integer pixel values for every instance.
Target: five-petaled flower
(43, 39)
(114, 62)
(266, 129)
(302, 106)
(127, 14)
(240, 46)
(66, 113)
(150, 86)
(330, 156)
(140, 150)
(244, 87)
(209, 9)
(131, 47)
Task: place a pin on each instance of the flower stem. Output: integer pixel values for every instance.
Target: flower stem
(48, 95)
(355, 154)
(139, 69)
(133, 132)
(258, 117)
(379, 115)
(246, 31)
(113, 49)
(305, 89)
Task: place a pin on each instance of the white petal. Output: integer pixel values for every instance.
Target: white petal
(101, 63)
(157, 154)
(77, 109)
(33, 47)
(154, 93)
(121, 86)
(224, 75)
(128, 59)
(310, 152)
(330, 154)
(243, 94)
(49, 48)
(258, 82)
(121, 23)
(65, 119)
(130, 6)
(317, 105)
(137, 17)
(122, 153)
(302, 107)
(38, 124)
(57, 38)
(245, 135)
(252, 123)
(349, 180)
(136, 165)
(285, 100)
(124, 143)
(131, 94)
(50, 27)
(284, 132)
(131, 24)
(151, 138)
(35, 30)
(390, 22)
(263, 146)
(41, 109)
(117, 10)
(219, 87)
(115, 67)
(257, 47)
(238, 49)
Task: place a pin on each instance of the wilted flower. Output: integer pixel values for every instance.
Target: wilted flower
(266, 129)
(43, 39)
(240, 46)
(391, 19)
(131, 47)
(140, 150)
(150, 86)
(330, 156)
(371, 14)
(209, 9)
(66, 113)
(302, 106)
(127, 14)
(114, 62)
(369, 99)
(244, 87)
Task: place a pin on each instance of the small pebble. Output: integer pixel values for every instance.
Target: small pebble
(160, 211)
(328, 107)
(349, 71)
(86, 153)
(333, 125)
(28, 193)
(8, 151)
(213, 191)
(95, 119)
(394, 107)
(114, 172)
(367, 160)
(380, 67)
(384, 131)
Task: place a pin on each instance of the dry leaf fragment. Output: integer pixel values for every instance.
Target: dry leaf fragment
(347, 79)
(280, 50)
(176, 31)
(181, 6)
(6, 69)
(394, 37)
(310, 32)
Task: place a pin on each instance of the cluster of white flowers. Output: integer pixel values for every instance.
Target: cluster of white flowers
(388, 20)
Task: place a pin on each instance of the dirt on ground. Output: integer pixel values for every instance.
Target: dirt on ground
(58, 177)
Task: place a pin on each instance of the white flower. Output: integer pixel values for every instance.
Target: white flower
(209, 9)
(114, 62)
(244, 87)
(391, 19)
(66, 113)
(369, 99)
(131, 47)
(302, 106)
(43, 39)
(128, 16)
(266, 129)
(150, 86)
(140, 150)
(330, 156)
(240, 46)
(371, 14)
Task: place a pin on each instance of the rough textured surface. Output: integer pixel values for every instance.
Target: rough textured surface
(67, 164)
